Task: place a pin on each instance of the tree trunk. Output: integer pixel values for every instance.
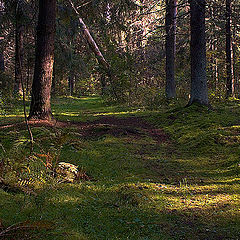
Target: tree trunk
(2, 62)
(234, 60)
(2, 65)
(199, 90)
(53, 88)
(170, 25)
(230, 82)
(71, 84)
(216, 75)
(103, 84)
(41, 89)
(19, 31)
(28, 78)
(94, 47)
(234, 51)
(91, 42)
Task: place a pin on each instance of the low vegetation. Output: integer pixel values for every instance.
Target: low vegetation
(171, 173)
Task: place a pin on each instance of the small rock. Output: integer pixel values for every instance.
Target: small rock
(67, 171)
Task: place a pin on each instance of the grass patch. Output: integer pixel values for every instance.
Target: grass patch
(185, 187)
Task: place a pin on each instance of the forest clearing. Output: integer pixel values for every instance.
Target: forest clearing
(119, 119)
(171, 174)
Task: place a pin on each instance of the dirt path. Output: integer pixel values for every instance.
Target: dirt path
(134, 126)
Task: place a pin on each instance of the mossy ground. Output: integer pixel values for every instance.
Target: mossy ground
(183, 187)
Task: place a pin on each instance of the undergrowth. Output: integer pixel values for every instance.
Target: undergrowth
(183, 187)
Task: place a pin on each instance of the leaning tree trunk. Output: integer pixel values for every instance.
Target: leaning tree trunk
(170, 25)
(42, 80)
(230, 80)
(94, 47)
(18, 48)
(199, 90)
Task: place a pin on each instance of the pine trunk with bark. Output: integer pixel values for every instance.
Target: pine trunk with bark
(230, 80)
(41, 89)
(199, 89)
(170, 44)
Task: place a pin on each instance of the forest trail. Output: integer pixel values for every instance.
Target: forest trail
(134, 126)
(155, 175)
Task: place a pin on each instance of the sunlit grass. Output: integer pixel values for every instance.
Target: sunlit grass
(70, 114)
(12, 116)
(187, 188)
(116, 113)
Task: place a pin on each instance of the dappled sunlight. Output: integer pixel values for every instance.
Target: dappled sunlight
(89, 108)
(145, 180)
(152, 202)
(115, 113)
(121, 121)
(229, 181)
(65, 199)
(70, 114)
(234, 127)
(12, 116)
(88, 98)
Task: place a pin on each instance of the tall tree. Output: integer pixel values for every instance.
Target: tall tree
(42, 80)
(71, 77)
(19, 31)
(170, 44)
(230, 79)
(2, 63)
(199, 90)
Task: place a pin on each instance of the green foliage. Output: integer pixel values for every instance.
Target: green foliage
(2, 108)
(6, 98)
(184, 185)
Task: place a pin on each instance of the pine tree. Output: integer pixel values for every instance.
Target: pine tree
(170, 25)
(42, 81)
(199, 90)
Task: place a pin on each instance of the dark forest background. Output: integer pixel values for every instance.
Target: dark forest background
(131, 36)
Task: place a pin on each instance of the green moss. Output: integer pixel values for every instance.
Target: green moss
(184, 188)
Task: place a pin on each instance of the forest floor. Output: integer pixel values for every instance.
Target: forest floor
(171, 173)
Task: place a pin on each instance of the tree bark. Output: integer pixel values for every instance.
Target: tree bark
(230, 80)
(199, 90)
(2, 65)
(103, 84)
(19, 31)
(28, 78)
(53, 88)
(234, 60)
(2, 61)
(170, 25)
(71, 81)
(41, 89)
